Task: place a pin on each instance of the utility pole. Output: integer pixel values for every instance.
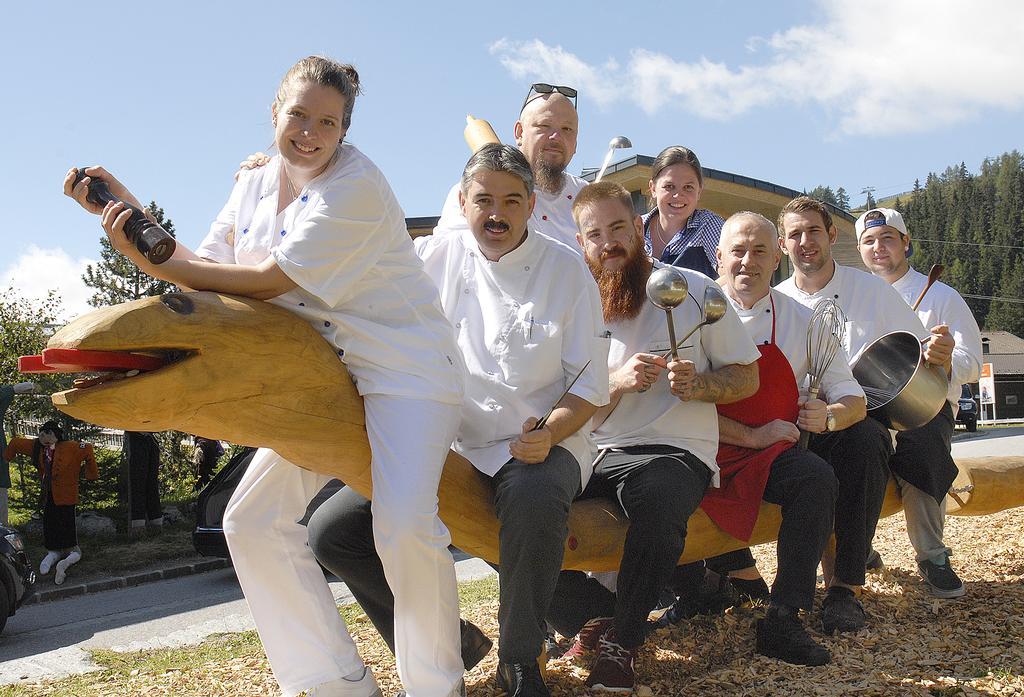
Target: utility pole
(870, 201)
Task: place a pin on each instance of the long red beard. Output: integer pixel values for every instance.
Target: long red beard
(623, 292)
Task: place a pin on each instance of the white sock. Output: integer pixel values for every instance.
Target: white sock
(48, 561)
(62, 566)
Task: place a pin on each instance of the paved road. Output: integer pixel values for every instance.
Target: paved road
(51, 640)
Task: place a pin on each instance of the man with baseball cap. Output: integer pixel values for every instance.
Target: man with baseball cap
(922, 462)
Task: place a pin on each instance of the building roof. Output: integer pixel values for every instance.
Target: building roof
(1005, 352)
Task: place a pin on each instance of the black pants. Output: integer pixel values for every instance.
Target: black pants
(859, 456)
(658, 497)
(532, 503)
(806, 488)
(143, 455)
(59, 528)
(923, 456)
(801, 483)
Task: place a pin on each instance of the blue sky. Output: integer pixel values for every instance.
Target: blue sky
(171, 96)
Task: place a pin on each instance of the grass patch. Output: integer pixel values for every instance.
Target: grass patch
(196, 670)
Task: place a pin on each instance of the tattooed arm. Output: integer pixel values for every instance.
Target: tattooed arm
(730, 383)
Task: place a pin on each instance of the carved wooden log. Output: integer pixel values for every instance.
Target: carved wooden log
(251, 373)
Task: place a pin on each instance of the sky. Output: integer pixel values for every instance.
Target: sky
(171, 96)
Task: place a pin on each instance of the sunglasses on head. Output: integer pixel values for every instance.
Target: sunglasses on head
(541, 88)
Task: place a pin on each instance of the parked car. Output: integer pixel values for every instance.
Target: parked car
(208, 535)
(968, 409)
(16, 575)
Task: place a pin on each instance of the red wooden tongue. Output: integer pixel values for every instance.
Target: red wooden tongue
(57, 360)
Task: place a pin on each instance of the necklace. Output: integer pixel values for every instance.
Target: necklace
(288, 180)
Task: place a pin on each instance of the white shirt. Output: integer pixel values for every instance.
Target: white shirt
(552, 215)
(343, 241)
(943, 305)
(791, 324)
(872, 307)
(526, 324)
(657, 416)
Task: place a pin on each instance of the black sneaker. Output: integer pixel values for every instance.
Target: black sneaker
(681, 609)
(942, 580)
(874, 562)
(841, 611)
(781, 635)
(521, 680)
(750, 590)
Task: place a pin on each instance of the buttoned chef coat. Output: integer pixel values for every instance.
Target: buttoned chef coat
(791, 323)
(360, 283)
(872, 307)
(552, 215)
(657, 416)
(943, 305)
(526, 324)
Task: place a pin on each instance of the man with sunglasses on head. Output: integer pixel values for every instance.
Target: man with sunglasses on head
(546, 134)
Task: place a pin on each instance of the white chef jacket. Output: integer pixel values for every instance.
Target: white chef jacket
(791, 323)
(657, 416)
(552, 215)
(360, 284)
(872, 307)
(526, 324)
(943, 305)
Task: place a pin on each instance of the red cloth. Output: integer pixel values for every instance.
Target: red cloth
(734, 505)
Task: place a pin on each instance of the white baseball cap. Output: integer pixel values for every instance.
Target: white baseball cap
(892, 218)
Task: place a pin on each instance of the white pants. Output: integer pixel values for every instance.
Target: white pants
(303, 635)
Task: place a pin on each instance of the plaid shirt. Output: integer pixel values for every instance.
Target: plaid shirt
(701, 232)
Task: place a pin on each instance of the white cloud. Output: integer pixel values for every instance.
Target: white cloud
(876, 67)
(38, 271)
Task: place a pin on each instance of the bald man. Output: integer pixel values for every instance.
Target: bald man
(545, 132)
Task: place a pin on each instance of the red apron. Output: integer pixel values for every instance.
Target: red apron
(734, 505)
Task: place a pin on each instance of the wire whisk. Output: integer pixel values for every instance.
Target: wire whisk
(825, 334)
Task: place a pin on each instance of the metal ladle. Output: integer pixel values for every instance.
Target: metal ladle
(617, 143)
(715, 305)
(667, 289)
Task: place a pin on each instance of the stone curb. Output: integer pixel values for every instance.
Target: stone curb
(128, 581)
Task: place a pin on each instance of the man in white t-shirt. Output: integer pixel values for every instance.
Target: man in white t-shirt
(546, 133)
(659, 434)
(527, 316)
(859, 455)
(922, 462)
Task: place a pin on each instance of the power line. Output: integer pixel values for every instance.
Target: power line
(970, 244)
(993, 297)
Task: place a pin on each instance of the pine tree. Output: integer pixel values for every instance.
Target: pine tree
(116, 279)
(842, 199)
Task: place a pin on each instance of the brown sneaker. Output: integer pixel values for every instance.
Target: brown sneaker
(588, 638)
(613, 668)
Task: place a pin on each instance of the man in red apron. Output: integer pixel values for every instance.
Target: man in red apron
(758, 455)
(659, 434)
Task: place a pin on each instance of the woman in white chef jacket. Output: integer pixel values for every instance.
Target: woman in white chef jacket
(319, 231)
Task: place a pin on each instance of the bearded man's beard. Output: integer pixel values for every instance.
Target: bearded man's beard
(623, 292)
(548, 176)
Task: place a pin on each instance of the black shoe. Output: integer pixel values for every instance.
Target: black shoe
(521, 680)
(781, 635)
(475, 644)
(942, 580)
(874, 562)
(750, 590)
(841, 611)
(717, 594)
(681, 609)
